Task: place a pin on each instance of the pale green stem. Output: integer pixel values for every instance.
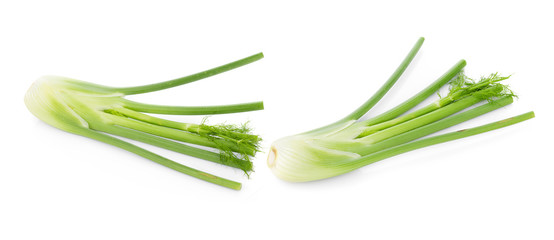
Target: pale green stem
(192, 110)
(435, 126)
(174, 146)
(420, 112)
(390, 152)
(156, 158)
(422, 120)
(189, 127)
(419, 97)
(365, 145)
(365, 107)
(190, 78)
(179, 135)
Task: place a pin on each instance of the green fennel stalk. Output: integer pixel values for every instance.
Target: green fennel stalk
(351, 143)
(91, 110)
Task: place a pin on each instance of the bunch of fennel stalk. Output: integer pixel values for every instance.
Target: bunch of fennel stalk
(92, 110)
(350, 143)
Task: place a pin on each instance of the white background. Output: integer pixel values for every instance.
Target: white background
(322, 59)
